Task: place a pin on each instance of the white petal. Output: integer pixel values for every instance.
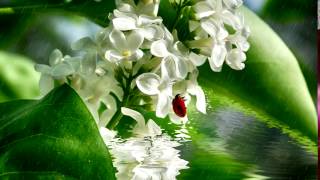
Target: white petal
(150, 129)
(168, 68)
(233, 4)
(62, 70)
(232, 20)
(174, 67)
(45, 69)
(137, 55)
(197, 59)
(218, 55)
(124, 23)
(163, 105)
(113, 56)
(235, 59)
(197, 91)
(159, 48)
(210, 26)
(168, 36)
(181, 67)
(46, 84)
(134, 115)
(153, 128)
(107, 115)
(93, 108)
(213, 66)
(203, 9)
(240, 41)
(55, 57)
(134, 40)
(148, 20)
(148, 83)
(153, 32)
(118, 40)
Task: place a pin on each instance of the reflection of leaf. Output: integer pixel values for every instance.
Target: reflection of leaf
(54, 137)
(18, 79)
(289, 10)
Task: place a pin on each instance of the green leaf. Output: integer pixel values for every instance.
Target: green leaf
(55, 137)
(18, 79)
(96, 10)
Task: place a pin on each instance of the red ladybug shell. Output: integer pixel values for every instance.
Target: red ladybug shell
(179, 106)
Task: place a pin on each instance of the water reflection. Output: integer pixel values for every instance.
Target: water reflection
(224, 144)
(148, 158)
(264, 152)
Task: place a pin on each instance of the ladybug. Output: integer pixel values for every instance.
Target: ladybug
(179, 106)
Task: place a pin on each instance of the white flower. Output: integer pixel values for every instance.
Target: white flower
(125, 48)
(195, 59)
(172, 63)
(141, 129)
(146, 7)
(151, 84)
(212, 37)
(128, 17)
(59, 68)
(216, 8)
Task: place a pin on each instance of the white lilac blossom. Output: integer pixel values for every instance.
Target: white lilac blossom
(137, 64)
(125, 47)
(220, 33)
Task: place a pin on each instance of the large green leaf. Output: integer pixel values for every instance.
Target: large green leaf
(18, 79)
(55, 137)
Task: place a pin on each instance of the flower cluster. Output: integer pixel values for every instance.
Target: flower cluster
(221, 34)
(137, 64)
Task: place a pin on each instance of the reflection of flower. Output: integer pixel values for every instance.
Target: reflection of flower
(149, 158)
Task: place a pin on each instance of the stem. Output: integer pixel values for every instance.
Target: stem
(178, 15)
(126, 97)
